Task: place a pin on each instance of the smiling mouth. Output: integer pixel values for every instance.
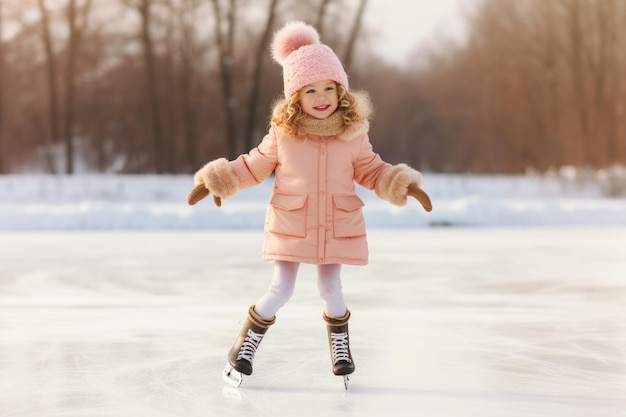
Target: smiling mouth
(322, 108)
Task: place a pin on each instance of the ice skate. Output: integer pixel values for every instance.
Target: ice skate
(241, 355)
(339, 342)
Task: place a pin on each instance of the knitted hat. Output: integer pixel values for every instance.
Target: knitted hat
(297, 48)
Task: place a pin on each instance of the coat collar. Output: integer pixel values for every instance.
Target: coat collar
(363, 106)
(356, 130)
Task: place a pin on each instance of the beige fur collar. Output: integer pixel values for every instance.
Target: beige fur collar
(354, 131)
(334, 126)
(363, 106)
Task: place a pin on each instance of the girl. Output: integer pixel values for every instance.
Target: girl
(318, 147)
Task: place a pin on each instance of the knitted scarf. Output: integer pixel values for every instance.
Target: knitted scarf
(331, 126)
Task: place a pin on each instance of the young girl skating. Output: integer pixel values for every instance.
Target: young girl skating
(318, 148)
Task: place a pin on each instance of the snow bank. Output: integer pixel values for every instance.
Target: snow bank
(150, 202)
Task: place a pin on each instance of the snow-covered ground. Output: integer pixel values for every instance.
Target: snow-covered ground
(97, 202)
(458, 322)
(119, 300)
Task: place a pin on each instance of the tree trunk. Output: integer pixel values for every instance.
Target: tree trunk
(619, 93)
(3, 167)
(577, 65)
(226, 56)
(189, 116)
(189, 129)
(321, 15)
(256, 75)
(76, 28)
(72, 44)
(354, 34)
(613, 25)
(152, 87)
(170, 95)
(555, 114)
(53, 95)
(97, 115)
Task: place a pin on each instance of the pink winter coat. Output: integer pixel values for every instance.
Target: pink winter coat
(314, 215)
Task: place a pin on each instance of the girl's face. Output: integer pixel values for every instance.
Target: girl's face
(319, 99)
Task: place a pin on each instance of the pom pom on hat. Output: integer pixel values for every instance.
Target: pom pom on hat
(292, 37)
(297, 48)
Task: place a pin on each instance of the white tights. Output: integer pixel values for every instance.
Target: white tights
(283, 284)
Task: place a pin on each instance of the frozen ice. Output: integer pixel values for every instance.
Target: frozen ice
(467, 322)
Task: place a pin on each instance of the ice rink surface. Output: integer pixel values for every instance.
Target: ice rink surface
(445, 322)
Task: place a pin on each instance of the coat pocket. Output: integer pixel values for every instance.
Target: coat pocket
(348, 218)
(287, 214)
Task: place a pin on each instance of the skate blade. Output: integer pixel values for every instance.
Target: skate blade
(232, 376)
(346, 381)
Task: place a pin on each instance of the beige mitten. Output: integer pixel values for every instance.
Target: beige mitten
(217, 178)
(401, 181)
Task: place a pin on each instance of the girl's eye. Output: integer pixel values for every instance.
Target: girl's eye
(310, 91)
(330, 88)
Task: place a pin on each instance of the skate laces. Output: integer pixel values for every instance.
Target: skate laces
(339, 346)
(250, 345)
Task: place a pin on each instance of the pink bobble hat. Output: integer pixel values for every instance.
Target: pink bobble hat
(297, 48)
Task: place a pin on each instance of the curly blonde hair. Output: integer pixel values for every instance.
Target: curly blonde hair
(287, 112)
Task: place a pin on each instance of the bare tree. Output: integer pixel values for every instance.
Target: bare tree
(225, 36)
(608, 22)
(576, 54)
(256, 74)
(354, 34)
(3, 170)
(92, 110)
(169, 64)
(187, 78)
(144, 9)
(321, 15)
(547, 51)
(77, 22)
(53, 94)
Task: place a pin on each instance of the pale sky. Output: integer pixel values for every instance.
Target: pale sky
(403, 25)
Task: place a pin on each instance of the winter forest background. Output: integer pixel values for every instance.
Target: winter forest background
(162, 86)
